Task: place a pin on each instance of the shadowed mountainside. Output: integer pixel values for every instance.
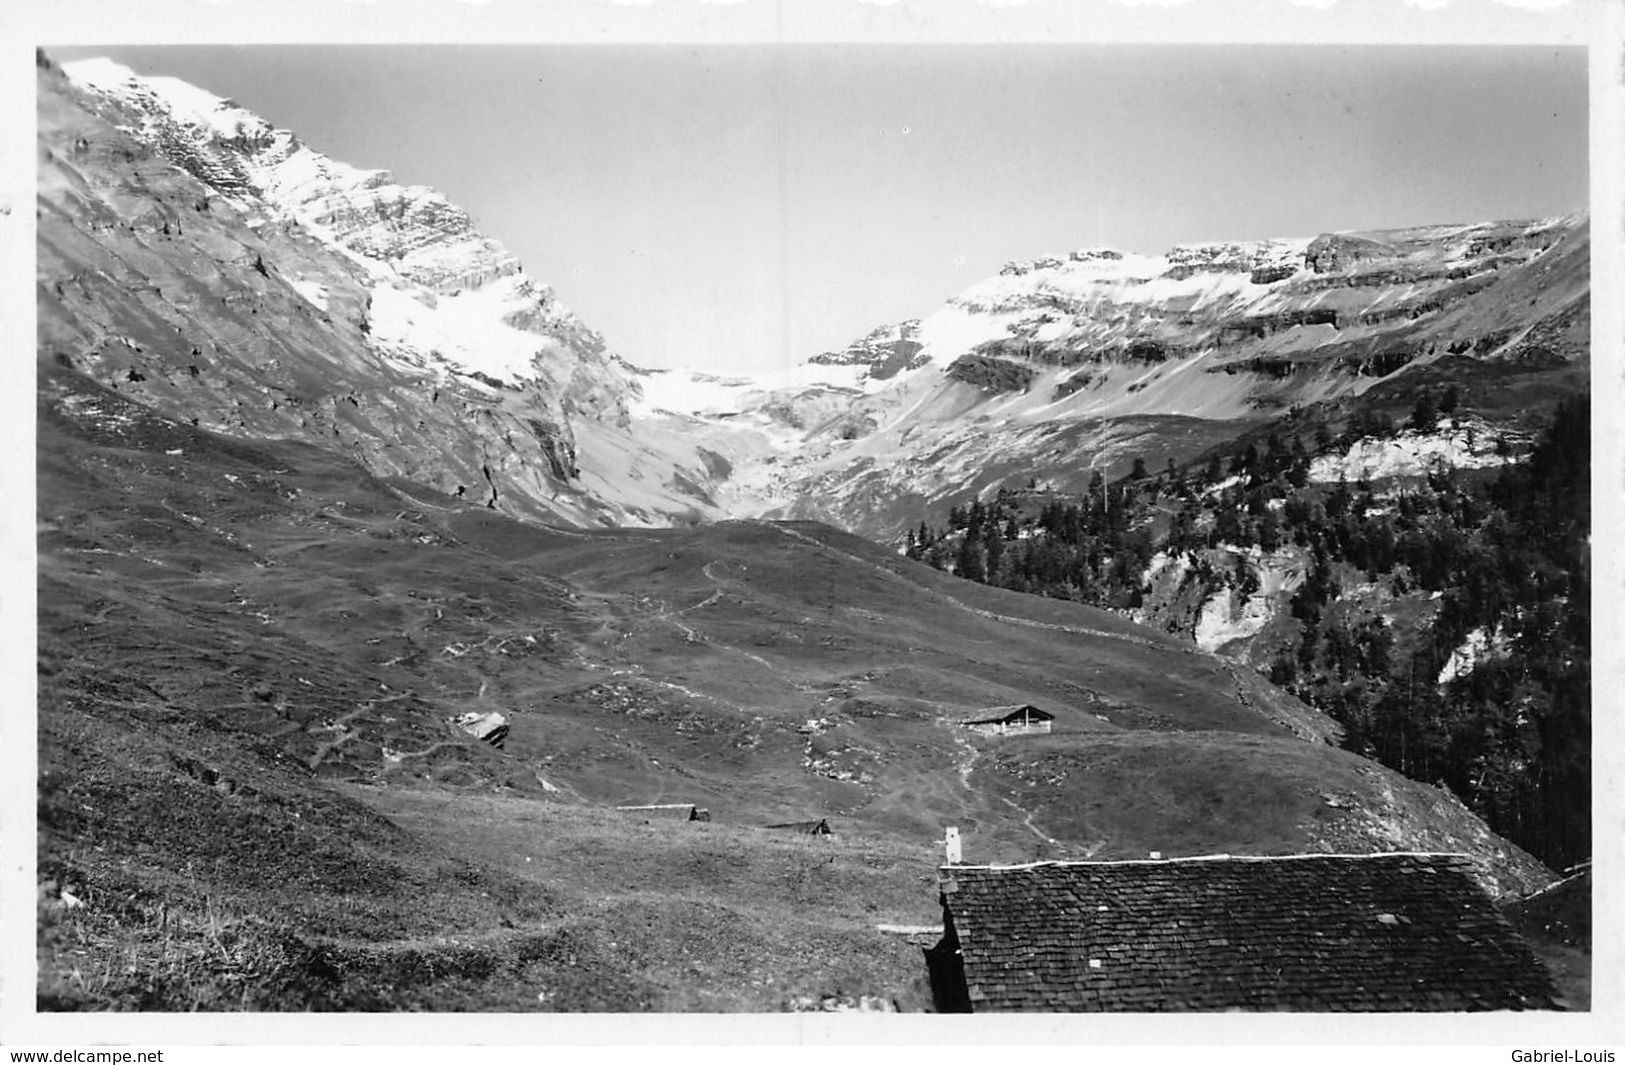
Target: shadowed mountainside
(249, 653)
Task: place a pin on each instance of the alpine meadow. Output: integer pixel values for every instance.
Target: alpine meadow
(1199, 627)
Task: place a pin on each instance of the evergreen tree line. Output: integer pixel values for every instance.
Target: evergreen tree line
(1504, 556)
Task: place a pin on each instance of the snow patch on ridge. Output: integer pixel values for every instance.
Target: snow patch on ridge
(181, 99)
(955, 329)
(689, 393)
(466, 330)
(1200, 273)
(313, 292)
(394, 231)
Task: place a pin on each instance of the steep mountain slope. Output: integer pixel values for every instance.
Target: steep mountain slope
(882, 355)
(1440, 614)
(208, 264)
(296, 425)
(259, 649)
(373, 315)
(1063, 366)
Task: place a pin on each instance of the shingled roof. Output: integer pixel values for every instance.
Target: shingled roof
(1385, 932)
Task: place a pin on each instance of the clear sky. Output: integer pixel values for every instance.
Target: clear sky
(747, 206)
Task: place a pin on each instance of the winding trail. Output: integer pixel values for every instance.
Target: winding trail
(715, 597)
(966, 763)
(667, 614)
(1027, 819)
(722, 591)
(400, 756)
(343, 733)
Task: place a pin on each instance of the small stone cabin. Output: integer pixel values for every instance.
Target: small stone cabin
(491, 728)
(1311, 933)
(1012, 721)
(669, 811)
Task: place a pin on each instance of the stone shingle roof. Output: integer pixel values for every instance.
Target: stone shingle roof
(1312, 933)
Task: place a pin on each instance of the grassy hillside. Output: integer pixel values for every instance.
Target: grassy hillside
(249, 656)
(1426, 587)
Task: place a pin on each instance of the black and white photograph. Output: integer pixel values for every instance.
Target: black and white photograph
(803, 513)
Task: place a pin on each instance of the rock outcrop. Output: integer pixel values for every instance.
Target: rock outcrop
(218, 268)
(882, 355)
(1068, 364)
(418, 232)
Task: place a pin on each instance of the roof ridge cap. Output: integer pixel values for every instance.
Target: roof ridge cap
(1212, 858)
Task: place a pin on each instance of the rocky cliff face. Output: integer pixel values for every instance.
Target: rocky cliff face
(214, 266)
(1070, 363)
(219, 270)
(881, 355)
(415, 231)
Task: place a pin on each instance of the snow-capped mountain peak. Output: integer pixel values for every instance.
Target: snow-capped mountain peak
(358, 310)
(404, 231)
(1058, 364)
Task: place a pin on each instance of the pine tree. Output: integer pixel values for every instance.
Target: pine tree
(1269, 531)
(969, 563)
(1424, 415)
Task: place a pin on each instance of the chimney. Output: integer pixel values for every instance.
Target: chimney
(952, 843)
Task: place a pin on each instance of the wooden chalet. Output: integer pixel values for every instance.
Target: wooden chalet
(1313, 933)
(1012, 721)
